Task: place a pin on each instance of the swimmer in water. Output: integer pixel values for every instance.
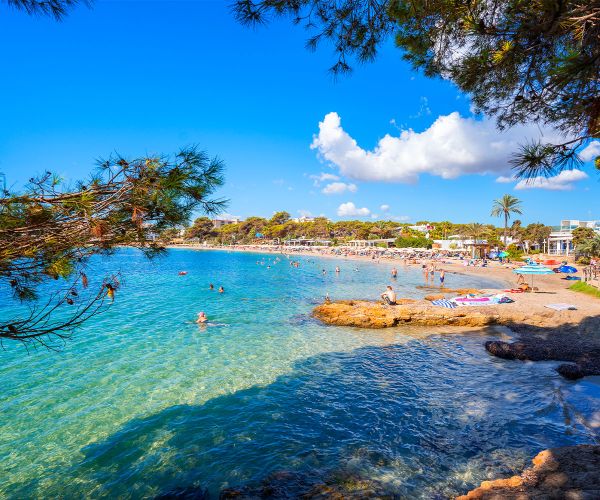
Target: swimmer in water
(394, 273)
(337, 269)
(211, 287)
(201, 318)
(221, 289)
(110, 293)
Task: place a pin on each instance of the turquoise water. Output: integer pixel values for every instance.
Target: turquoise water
(143, 401)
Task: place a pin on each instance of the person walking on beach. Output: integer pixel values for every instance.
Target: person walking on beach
(389, 296)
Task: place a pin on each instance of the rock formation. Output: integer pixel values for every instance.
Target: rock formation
(365, 314)
(571, 472)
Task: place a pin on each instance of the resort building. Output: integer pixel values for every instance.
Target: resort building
(306, 242)
(560, 241)
(371, 243)
(218, 223)
(303, 218)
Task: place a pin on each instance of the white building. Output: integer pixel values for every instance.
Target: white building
(560, 241)
(304, 218)
(217, 223)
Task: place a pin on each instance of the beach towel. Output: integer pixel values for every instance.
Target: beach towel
(473, 299)
(444, 303)
(464, 301)
(561, 307)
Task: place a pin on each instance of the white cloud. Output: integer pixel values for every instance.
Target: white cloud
(591, 151)
(561, 182)
(339, 188)
(384, 208)
(452, 146)
(351, 210)
(505, 179)
(322, 177)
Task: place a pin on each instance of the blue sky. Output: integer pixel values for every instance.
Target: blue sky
(150, 77)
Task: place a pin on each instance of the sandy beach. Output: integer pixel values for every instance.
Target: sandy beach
(551, 288)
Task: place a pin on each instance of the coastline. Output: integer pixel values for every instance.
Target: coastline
(541, 333)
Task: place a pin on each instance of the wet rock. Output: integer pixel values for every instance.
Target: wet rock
(582, 352)
(571, 472)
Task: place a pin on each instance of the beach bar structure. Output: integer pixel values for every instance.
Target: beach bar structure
(371, 243)
(560, 241)
(306, 242)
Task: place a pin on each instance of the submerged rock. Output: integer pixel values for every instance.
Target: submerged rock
(571, 472)
(582, 353)
(186, 493)
(287, 484)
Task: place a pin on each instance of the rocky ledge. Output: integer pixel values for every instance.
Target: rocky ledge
(365, 314)
(581, 352)
(570, 472)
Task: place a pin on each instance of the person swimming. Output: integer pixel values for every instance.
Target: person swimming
(110, 292)
(201, 318)
(394, 272)
(211, 287)
(221, 289)
(337, 269)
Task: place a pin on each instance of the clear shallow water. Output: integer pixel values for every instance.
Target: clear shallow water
(142, 401)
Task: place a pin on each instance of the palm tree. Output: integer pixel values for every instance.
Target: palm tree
(506, 206)
(590, 247)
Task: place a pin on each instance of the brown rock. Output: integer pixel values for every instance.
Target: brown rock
(435, 296)
(364, 314)
(568, 472)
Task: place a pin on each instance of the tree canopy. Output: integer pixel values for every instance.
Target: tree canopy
(57, 9)
(49, 231)
(521, 61)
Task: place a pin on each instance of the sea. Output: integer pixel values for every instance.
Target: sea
(143, 402)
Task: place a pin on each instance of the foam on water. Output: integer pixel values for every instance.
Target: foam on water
(142, 400)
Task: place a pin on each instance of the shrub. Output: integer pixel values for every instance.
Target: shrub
(413, 242)
(514, 252)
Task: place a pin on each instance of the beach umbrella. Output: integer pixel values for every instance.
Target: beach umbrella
(503, 254)
(532, 270)
(567, 269)
(551, 262)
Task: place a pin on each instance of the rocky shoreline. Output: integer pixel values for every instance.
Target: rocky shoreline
(544, 334)
(570, 472)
